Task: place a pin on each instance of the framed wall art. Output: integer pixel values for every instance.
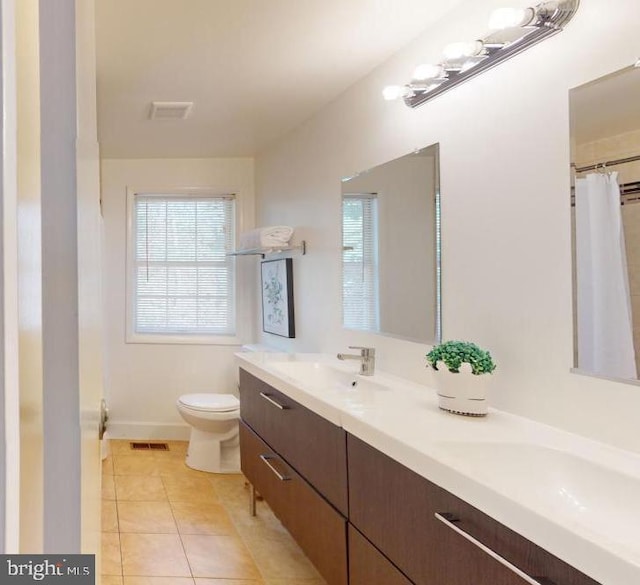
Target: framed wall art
(277, 297)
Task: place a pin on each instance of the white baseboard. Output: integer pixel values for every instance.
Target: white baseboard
(149, 431)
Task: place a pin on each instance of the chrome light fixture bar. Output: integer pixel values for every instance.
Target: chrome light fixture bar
(514, 30)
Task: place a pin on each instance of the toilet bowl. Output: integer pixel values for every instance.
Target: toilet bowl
(214, 445)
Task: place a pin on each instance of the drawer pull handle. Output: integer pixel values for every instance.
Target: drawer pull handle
(279, 475)
(276, 404)
(449, 520)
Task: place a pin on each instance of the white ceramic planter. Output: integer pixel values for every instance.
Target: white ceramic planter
(462, 393)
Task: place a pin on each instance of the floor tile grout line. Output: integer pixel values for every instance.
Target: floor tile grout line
(184, 550)
(236, 534)
(174, 521)
(119, 536)
(244, 542)
(220, 502)
(223, 504)
(164, 490)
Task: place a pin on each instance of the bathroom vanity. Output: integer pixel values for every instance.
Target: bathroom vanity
(376, 491)
(433, 536)
(298, 462)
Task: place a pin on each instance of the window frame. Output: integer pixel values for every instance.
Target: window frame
(131, 336)
(375, 265)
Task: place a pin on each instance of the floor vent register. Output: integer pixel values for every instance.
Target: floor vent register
(138, 446)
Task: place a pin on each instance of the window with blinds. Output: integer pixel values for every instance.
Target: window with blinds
(183, 283)
(360, 262)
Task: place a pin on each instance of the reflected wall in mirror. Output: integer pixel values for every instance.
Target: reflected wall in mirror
(605, 152)
(391, 248)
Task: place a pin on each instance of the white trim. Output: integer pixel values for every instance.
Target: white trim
(10, 384)
(140, 431)
(150, 338)
(241, 296)
(579, 372)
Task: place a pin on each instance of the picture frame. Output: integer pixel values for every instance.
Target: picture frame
(276, 277)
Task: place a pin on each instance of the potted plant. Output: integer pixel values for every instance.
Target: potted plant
(462, 389)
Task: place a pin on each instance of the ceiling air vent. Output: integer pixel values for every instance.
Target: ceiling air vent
(170, 110)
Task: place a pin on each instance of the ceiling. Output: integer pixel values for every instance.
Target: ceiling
(254, 69)
(606, 107)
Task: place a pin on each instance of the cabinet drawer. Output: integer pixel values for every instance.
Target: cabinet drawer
(319, 530)
(313, 446)
(367, 565)
(395, 509)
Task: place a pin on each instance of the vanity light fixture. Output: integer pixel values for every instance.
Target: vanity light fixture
(512, 31)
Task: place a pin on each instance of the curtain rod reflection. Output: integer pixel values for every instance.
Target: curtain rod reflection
(604, 165)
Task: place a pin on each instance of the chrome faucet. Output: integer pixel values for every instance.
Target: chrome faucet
(367, 357)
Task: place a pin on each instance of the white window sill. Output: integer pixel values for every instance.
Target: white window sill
(149, 338)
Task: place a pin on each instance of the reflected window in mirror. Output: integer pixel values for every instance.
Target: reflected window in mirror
(391, 253)
(605, 154)
(360, 261)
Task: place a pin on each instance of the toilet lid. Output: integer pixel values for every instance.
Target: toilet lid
(210, 402)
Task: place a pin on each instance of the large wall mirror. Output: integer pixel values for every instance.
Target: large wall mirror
(605, 151)
(391, 248)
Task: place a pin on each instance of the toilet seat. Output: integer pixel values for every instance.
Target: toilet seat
(210, 402)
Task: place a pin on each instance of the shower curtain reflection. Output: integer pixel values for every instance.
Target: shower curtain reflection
(604, 318)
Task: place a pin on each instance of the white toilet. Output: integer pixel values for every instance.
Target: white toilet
(214, 445)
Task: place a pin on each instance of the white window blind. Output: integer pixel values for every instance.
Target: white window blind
(183, 282)
(360, 262)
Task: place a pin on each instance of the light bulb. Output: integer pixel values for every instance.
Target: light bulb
(394, 92)
(461, 50)
(427, 71)
(502, 18)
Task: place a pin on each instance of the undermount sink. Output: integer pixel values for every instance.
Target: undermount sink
(559, 481)
(325, 377)
(314, 373)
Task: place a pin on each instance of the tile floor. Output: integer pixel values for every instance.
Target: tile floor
(166, 524)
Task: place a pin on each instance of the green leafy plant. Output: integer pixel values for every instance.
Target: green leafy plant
(455, 353)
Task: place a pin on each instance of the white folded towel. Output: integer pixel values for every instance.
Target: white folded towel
(266, 237)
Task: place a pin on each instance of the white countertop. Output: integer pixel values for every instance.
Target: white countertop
(576, 498)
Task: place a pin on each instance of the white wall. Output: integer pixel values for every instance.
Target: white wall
(505, 179)
(60, 294)
(143, 381)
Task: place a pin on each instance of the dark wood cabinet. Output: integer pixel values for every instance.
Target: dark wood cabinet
(365, 519)
(368, 566)
(395, 509)
(313, 446)
(297, 461)
(318, 528)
